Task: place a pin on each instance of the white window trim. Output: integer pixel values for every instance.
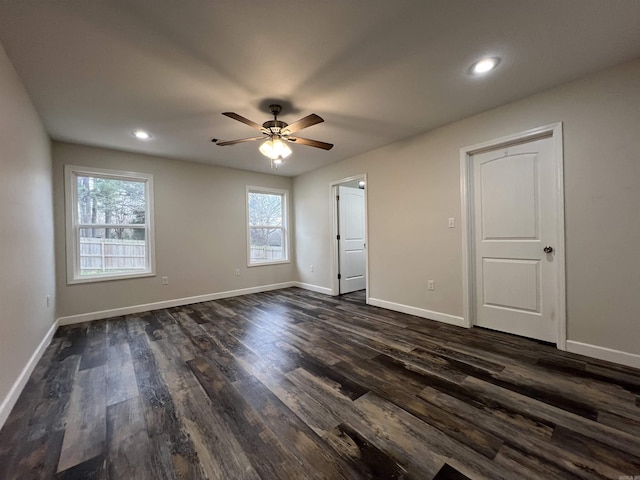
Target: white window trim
(71, 206)
(285, 224)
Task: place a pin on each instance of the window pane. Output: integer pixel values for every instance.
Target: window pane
(109, 201)
(265, 209)
(266, 245)
(112, 250)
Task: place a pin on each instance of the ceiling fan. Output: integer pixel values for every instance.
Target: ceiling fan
(277, 133)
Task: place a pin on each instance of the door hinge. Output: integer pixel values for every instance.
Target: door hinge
(337, 197)
(339, 277)
(338, 237)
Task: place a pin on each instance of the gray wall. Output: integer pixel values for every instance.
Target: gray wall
(200, 232)
(414, 186)
(26, 230)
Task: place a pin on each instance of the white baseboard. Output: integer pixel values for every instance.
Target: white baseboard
(146, 307)
(12, 397)
(313, 288)
(419, 312)
(603, 353)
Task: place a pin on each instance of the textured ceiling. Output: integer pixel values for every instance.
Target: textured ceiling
(376, 71)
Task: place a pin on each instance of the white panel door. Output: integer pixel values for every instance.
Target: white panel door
(515, 209)
(351, 243)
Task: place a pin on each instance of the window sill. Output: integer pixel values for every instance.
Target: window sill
(262, 264)
(107, 278)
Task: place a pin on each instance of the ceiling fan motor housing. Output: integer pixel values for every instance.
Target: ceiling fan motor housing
(275, 126)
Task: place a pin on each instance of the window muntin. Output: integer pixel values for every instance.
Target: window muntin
(109, 224)
(267, 228)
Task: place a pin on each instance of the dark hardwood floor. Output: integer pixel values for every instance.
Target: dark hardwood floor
(292, 384)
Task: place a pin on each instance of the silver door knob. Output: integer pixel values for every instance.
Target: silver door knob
(548, 249)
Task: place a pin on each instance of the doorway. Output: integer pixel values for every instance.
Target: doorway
(349, 236)
(513, 235)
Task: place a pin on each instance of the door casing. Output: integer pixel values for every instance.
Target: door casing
(335, 268)
(466, 190)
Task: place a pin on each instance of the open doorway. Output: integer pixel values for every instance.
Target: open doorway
(349, 236)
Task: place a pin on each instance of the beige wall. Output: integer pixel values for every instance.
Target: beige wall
(414, 186)
(26, 230)
(200, 232)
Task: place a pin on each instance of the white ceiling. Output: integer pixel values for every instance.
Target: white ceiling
(376, 71)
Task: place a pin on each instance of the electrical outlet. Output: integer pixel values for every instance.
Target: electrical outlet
(452, 222)
(165, 280)
(312, 268)
(431, 285)
(237, 272)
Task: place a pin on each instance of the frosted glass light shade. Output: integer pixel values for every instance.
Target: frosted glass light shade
(485, 65)
(274, 148)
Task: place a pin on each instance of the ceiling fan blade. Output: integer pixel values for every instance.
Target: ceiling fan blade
(233, 142)
(246, 121)
(305, 122)
(311, 143)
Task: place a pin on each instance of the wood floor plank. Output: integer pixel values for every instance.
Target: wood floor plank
(399, 425)
(299, 385)
(268, 456)
(219, 452)
(121, 375)
(50, 414)
(86, 432)
(522, 434)
(95, 352)
(302, 441)
(92, 469)
(367, 459)
(418, 461)
(171, 445)
(31, 438)
(487, 393)
(129, 446)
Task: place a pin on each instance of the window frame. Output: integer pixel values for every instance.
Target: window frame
(72, 233)
(285, 225)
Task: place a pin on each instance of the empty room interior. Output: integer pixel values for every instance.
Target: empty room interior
(323, 240)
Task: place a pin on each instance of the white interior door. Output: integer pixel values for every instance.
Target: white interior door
(352, 236)
(515, 220)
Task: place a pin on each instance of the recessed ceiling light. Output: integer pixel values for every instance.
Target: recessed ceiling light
(485, 65)
(141, 135)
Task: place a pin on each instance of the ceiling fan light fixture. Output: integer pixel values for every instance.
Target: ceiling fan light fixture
(141, 134)
(485, 65)
(275, 148)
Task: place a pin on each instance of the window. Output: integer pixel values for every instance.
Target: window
(267, 229)
(109, 224)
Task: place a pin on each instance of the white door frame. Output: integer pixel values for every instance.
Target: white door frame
(554, 131)
(335, 268)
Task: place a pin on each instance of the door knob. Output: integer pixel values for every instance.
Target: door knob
(548, 249)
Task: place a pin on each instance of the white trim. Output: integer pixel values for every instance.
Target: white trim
(603, 353)
(313, 288)
(335, 268)
(16, 389)
(555, 131)
(419, 312)
(73, 226)
(286, 237)
(116, 312)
